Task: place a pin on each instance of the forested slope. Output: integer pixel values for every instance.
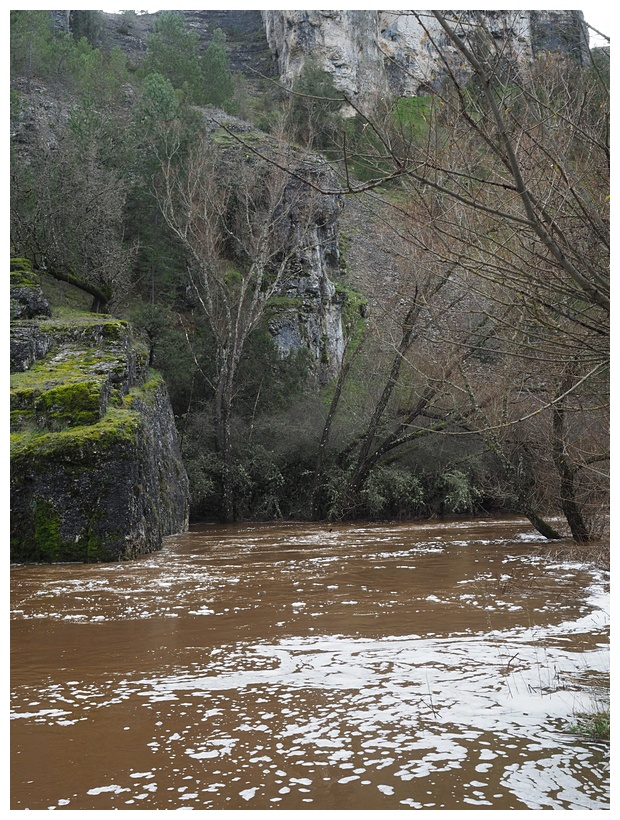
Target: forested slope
(388, 310)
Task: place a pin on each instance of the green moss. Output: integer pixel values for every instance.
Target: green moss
(20, 263)
(72, 404)
(354, 307)
(85, 445)
(22, 275)
(58, 399)
(78, 406)
(147, 392)
(115, 330)
(119, 424)
(69, 321)
(24, 279)
(47, 544)
(69, 388)
(285, 302)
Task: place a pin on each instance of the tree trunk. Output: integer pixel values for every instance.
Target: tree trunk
(566, 471)
(100, 297)
(546, 530)
(317, 504)
(223, 402)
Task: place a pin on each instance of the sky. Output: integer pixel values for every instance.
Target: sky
(602, 18)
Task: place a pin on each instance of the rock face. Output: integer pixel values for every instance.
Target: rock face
(344, 43)
(371, 53)
(96, 472)
(308, 313)
(27, 300)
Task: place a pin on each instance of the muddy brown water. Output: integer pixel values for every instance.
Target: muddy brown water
(295, 666)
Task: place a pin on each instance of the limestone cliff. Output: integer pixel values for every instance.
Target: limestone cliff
(307, 313)
(371, 53)
(344, 43)
(96, 472)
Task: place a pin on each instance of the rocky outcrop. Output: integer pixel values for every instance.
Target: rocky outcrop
(96, 472)
(371, 53)
(344, 43)
(27, 300)
(307, 312)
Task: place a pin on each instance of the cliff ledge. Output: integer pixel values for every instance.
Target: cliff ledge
(96, 471)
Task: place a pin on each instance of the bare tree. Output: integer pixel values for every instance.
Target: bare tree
(507, 183)
(510, 180)
(244, 226)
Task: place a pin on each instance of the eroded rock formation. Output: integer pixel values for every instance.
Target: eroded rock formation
(96, 472)
(309, 314)
(371, 53)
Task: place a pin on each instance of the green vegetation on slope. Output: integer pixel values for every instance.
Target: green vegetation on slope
(473, 374)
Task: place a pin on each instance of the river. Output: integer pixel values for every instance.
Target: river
(301, 666)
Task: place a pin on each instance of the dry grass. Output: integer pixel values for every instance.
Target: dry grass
(596, 552)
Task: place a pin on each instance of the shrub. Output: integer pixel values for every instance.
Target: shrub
(391, 492)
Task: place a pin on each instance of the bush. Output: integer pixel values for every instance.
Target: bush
(459, 493)
(391, 492)
(314, 115)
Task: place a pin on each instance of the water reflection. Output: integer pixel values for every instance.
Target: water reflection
(293, 666)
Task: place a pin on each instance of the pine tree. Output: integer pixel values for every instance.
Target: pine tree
(219, 86)
(172, 51)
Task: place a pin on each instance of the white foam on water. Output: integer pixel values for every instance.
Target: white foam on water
(397, 709)
(103, 789)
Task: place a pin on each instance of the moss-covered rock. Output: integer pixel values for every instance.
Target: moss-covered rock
(101, 492)
(27, 299)
(96, 472)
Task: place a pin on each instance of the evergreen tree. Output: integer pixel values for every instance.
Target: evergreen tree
(315, 113)
(172, 51)
(218, 79)
(36, 49)
(87, 24)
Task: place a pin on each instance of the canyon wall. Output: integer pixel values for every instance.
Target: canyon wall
(373, 53)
